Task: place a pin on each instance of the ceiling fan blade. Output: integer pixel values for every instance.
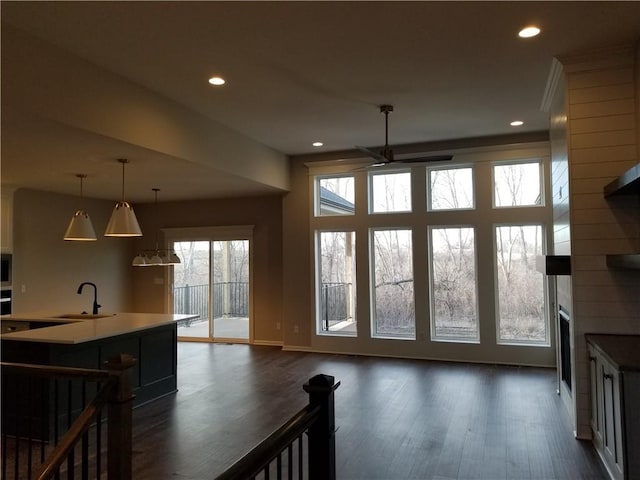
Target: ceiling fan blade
(372, 154)
(432, 158)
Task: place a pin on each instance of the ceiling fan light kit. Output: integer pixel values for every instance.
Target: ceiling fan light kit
(385, 156)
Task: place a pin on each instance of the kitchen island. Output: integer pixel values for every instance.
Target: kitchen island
(87, 341)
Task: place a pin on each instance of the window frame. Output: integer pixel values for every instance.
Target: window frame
(481, 159)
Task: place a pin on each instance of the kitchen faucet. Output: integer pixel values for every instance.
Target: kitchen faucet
(95, 295)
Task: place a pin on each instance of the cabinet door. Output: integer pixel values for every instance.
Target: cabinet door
(596, 397)
(612, 432)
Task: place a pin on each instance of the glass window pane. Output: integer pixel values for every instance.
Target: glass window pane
(392, 278)
(335, 196)
(453, 284)
(451, 188)
(390, 192)
(230, 292)
(191, 287)
(336, 289)
(521, 294)
(517, 184)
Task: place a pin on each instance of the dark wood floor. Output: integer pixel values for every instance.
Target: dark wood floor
(397, 419)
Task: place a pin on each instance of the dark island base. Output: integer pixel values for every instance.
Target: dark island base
(154, 375)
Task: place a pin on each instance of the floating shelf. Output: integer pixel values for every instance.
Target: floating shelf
(554, 264)
(626, 184)
(629, 261)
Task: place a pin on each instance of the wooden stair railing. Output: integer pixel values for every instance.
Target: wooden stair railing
(277, 455)
(114, 394)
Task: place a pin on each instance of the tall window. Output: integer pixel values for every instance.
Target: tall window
(456, 268)
(335, 293)
(521, 292)
(454, 314)
(392, 284)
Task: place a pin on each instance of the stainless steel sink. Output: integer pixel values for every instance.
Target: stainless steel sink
(84, 316)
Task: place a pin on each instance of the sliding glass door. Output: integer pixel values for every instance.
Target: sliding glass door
(213, 282)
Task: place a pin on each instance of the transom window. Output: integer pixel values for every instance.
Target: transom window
(334, 196)
(450, 188)
(517, 184)
(390, 192)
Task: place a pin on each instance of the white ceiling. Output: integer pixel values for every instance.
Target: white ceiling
(299, 72)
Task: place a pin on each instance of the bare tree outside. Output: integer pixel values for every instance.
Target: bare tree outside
(520, 286)
(453, 283)
(451, 188)
(391, 192)
(194, 266)
(452, 255)
(517, 184)
(393, 294)
(212, 281)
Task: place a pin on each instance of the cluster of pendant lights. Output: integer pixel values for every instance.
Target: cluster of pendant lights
(157, 257)
(123, 223)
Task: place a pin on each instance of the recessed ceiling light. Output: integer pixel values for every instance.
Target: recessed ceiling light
(529, 32)
(516, 123)
(216, 81)
(317, 144)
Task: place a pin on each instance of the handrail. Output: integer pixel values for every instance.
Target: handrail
(317, 419)
(114, 393)
(253, 462)
(79, 426)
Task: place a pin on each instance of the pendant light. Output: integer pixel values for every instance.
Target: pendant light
(80, 227)
(123, 222)
(158, 257)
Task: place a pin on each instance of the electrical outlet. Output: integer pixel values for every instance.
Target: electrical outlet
(23, 289)
(277, 325)
(296, 329)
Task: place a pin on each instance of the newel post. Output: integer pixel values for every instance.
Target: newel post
(119, 441)
(322, 441)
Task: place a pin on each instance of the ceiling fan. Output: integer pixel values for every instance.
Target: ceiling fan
(385, 156)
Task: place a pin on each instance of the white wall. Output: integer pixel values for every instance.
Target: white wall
(48, 270)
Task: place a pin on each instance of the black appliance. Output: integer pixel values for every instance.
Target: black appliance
(5, 269)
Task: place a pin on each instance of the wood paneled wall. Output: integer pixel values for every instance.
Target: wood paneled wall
(602, 137)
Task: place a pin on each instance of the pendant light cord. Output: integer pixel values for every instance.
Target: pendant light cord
(81, 176)
(123, 162)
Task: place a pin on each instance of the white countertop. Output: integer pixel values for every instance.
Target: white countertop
(72, 331)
